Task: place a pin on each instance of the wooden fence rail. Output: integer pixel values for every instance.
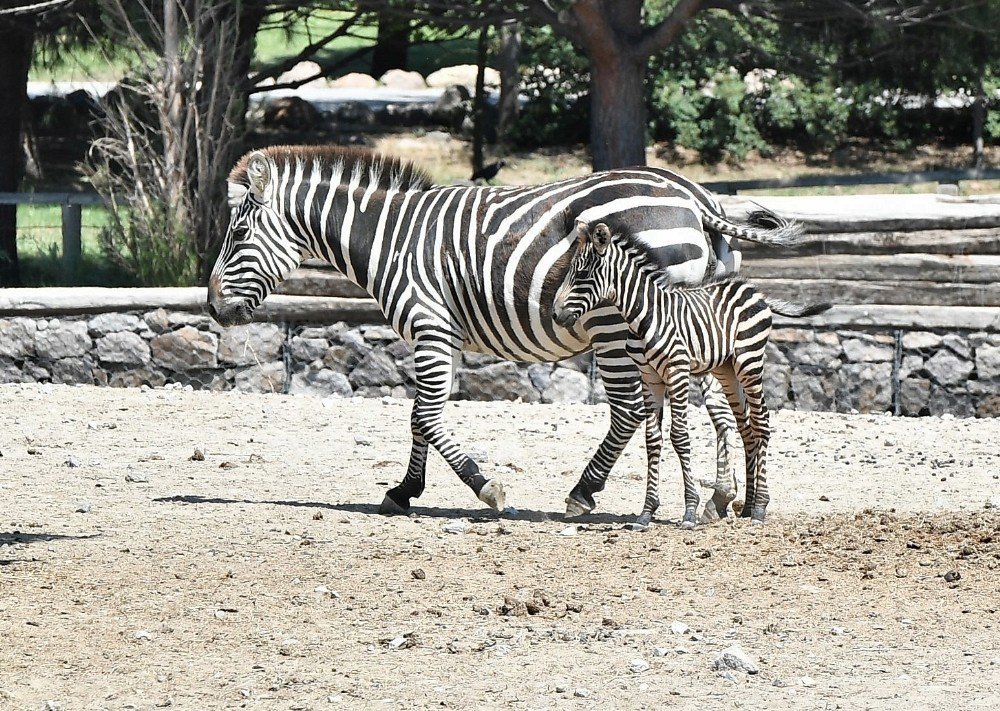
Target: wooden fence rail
(72, 219)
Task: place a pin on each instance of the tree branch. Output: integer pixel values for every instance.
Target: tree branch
(660, 36)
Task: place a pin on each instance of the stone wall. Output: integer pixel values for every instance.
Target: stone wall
(908, 372)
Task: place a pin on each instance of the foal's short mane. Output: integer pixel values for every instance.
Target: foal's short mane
(388, 171)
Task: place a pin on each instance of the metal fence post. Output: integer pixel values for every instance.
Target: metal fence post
(71, 241)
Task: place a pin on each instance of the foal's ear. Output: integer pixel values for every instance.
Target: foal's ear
(600, 237)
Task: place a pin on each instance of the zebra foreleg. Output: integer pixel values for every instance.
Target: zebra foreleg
(621, 383)
(434, 356)
(653, 396)
(397, 499)
(726, 433)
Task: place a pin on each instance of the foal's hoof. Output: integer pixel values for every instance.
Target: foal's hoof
(492, 495)
(391, 508)
(641, 523)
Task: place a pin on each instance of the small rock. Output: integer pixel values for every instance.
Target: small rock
(678, 627)
(134, 477)
(993, 502)
(837, 631)
(569, 531)
(198, 455)
(402, 642)
(561, 688)
(951, 576)
(734, 658)
(143, 634)
(456, 526)
(418, 573)
(729, 676)
(362, 441)
(660, 651)
(638, 666)
(84, 507)
(71, 462)
(582, 693)
(807, 681)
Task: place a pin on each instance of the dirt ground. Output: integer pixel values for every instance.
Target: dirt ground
(132, 576)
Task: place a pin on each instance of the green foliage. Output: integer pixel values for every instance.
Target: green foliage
(555, 80)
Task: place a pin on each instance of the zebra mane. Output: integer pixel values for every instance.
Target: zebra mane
(386, 171)
(640, 252)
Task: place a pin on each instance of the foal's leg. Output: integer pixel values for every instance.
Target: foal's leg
(750, 377)
(653, 390)
(678, 380)
(726, 432)
(731, 386)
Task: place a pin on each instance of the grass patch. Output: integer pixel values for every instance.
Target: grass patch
(40, 252)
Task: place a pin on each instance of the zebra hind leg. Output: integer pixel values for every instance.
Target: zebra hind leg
(760, 427)
(726, 433)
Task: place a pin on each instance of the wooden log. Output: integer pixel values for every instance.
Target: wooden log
(875, 213)
(952, 318)
(881, 292)
(986, 241)
(924, 267)
(89, 300)
(320, 281)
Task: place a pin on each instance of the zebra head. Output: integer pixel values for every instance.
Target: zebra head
(588, 282)
(260, 248)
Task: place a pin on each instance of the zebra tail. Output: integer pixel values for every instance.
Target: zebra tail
(790, 308)
(761, 226)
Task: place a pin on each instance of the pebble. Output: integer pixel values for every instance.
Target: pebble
(582, 693)
(143, 634)
(84, 507)
(729, 676)
(71, 462)
(418, 573)
(638, 666)
(735, 659)
(334, 699)
(401, 642)
(660, 651)
(993, 502)
(678, 627)
(134, 477)
(362, 441)
(807, 681)
(198, 455)
(837, 631)
(456, 526)
(951, 576)
(569, 531)
(561, 688)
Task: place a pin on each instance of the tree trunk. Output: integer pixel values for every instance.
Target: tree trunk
(479, 100)
(392, 45)
(617, 113)
(15, 57)
(979, 120)
(508, 61)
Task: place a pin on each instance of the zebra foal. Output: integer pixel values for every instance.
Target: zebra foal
(720, 328)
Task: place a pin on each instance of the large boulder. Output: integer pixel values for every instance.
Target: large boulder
(566, 385)
(123, 347)
(68, 339)
(945, 368)
(302, 71)
(499, 381)
(264, 378)
(103, 324)
(321, 383)
(402, 79)
(185, 349)
(17, 337)
(463, 74)
(291, 112)
(354, 80)
(377, 368)
(251, 344)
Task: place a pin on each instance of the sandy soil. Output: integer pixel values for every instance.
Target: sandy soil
(262, 577)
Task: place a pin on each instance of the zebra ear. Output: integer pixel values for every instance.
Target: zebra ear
(601, 237)
(259, 173)
(236, 193)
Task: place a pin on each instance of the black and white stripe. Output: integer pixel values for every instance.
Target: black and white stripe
(473, 268)
(719, 328)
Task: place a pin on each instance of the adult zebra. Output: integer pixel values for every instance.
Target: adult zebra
(474, 268)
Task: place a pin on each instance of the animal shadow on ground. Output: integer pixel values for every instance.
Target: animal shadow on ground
(13, 538)
(481, 514)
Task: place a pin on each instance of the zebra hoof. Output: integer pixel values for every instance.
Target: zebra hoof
(757, 516)
(687, 525)
(576, 508)
(492, 495)
(391, 508)
(641, 523)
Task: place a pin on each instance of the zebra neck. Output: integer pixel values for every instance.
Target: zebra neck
(639, 298)
(353, 226)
